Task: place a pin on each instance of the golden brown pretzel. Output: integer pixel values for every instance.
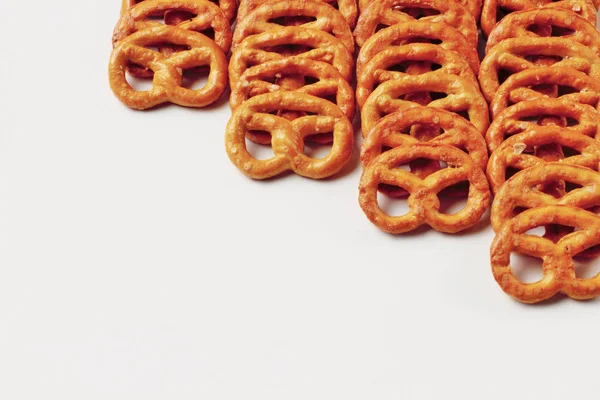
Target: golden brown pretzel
(322, 17)
(522, 23)
(521, 86)
(385, 13)
(228, 7)
(462, 96)
(558, 267)
(514, 55)
(517, 118)
(423, 201)
(167, 81)
(474, 6)
(288, 136)
(413, 31)
(261, 48)
(348, 8)
(378, 70)
(519, 152)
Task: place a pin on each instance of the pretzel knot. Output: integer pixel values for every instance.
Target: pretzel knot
(390, 12)
(322, 17)
(228, 7)
(288, 136)
(558, 267)
(423, 201)
(167, 81)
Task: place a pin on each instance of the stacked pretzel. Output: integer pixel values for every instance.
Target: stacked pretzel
(541, 75)
(421, 106)
(195, 36)
(289, 73)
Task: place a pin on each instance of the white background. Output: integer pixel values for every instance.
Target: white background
(137, 263)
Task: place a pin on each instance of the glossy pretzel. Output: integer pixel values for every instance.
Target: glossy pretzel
(261, 48)
(228, 7)
(326, 18)
(288, 136)
(167, 81)
(474, 6)
(378, 70)
(385, 13)
(558, 267)
(423, 201)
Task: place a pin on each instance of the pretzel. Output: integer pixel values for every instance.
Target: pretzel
(326, 18)
(261, 48)
(166, 85)
(227, 6)
(407, 32)
(489, 13)
(348, 8)
(423, 202)
(558, 267)
(522, 23)
(517, 118)
(512, 55)
(288, 136)
(462, 96)
(378, 70)
(518, 87)
(386, 13)
(474, 6)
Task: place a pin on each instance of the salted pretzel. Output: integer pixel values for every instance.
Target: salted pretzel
(261, 48)
(423, 201)
(567, 24)
(348, 8)
(322, 17)
(288, 136)
(521, 86)
(519, 152)
(462, 96)
(442, 34)
(379, 69)
(168, 71)
(386, 13)
(490, 15)
(519, 117)
(558, 267)
(228, 7)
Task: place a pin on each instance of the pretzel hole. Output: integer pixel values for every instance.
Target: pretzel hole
(315, 147)
(453, 199)
(547, 60)
(503, 75)
(571, 121)
(293, 20)
(502, 12)
(563, 90)
(176, 17)
(195, 78)
(416, 12)
(540, 29)
(570, 186)
(569, 152)
(586, 263)
(510, 172)
(139, 84)
(288, 49)
(537, 231)
(561, 31)
(393, 206)
(259, 151)
(526, 269)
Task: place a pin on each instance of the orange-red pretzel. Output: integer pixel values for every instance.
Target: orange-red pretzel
(558, 267)
(228, 7)
(474, 6)
(513, 55)
(261, 48)
(522, 23)
(519, 152)
(167, 81)
(323, 17)
(288, 136)
(423, 201)
(387, 13)
(462, 96)
(378, 70)
(517, 118)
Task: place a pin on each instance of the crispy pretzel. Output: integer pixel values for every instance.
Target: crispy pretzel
(423, 201)
(407, 32)
(490, 17)
(522, 23)
(521, 86)
(288, 136)
(327, 19)
(558, 267)
(518, 118)
(348, 8)
(519, 152)
(166, 85)
(378, 70)
(261, 48)
(386, 13)
(474, 6)
(228, 7)
(462, 96)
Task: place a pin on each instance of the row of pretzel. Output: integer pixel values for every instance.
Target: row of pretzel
(421, 107)
(541, 75)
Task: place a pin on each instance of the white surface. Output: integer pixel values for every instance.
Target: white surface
(137, 263)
